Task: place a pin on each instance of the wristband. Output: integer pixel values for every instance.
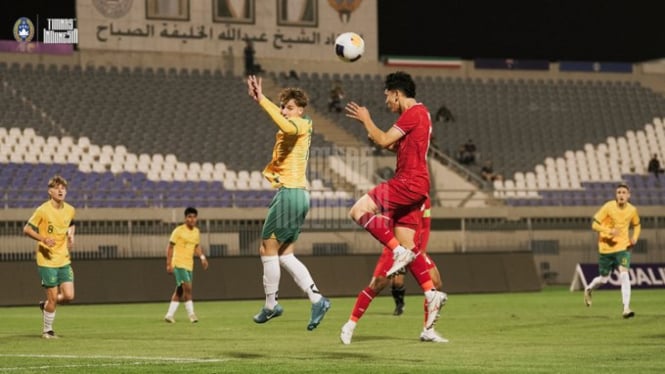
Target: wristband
(202, 257)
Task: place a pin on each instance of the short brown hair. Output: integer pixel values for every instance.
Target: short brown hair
(299, 96)
(623, 185)
(57, 180)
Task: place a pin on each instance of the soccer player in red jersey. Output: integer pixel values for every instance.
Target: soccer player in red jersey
(397, 281)
(391, 211)
(379, 281)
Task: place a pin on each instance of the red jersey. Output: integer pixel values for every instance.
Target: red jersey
(416, 125)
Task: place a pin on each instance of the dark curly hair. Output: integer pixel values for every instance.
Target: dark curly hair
(401, 81)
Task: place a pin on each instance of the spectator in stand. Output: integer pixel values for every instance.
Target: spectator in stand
(470, 152)
(336, 96)
(488, 174)
(654, 166)
(461, 155)
(444, 114)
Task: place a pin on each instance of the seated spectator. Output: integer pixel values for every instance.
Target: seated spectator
(336, 96)
(654, 166)
(466, 154)
(488, 174)
(444, 114)
(470, 152)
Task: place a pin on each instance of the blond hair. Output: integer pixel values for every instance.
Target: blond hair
(57, 180)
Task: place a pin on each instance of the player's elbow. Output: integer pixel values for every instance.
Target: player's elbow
(384, 142)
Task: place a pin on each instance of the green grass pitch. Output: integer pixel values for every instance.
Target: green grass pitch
(544, 332)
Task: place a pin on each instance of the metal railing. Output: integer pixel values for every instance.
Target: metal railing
(224, 235)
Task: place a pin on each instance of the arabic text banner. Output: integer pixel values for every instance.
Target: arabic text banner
(275, 32)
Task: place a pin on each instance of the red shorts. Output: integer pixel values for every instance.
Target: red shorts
(385, 262)
(399, 203)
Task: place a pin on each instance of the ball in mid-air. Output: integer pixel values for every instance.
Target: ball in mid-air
(349, 46)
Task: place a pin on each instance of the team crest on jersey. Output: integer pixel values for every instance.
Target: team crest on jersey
(24, 30)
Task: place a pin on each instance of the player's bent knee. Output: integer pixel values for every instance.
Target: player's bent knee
(604, 278)
(378, 284)
(355, 213)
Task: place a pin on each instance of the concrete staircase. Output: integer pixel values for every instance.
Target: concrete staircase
(332, 132)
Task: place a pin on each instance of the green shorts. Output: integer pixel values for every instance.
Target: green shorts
(286, 215)
(53, 277)
(183, 276)
(610, 261)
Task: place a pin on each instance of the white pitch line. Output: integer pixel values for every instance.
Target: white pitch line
(146, 361)
(97, 357)
(49, 367)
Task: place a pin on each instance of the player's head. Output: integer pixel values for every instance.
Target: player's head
(402, 82)
(622, 193)
(191, 215)
(398, 85)
(57, 188)
(292, 102)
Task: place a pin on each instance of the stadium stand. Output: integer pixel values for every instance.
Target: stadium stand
(552, 139)
(134, 135)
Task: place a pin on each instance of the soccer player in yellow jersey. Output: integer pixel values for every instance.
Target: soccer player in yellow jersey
(52, 226)
(183, 245)
(288, 209)
(612, 222)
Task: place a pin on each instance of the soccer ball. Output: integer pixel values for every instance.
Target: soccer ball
(349, 46)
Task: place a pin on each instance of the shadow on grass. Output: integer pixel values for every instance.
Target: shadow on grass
(654, 336)
(244, 355)
(344, 356)
(26, 336)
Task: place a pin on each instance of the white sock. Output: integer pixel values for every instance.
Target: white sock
(173, 307)
(625, 289)
(398, 251)
(189, 306)
(271, 275)
(301, 276)
(48, 321)
(597, 281)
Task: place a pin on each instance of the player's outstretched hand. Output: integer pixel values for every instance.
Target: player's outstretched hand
(254, 87)
(357, 112)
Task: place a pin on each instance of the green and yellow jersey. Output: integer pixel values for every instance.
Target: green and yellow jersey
(184, 241)
(611, 216)
(53, 222)
(288, 167)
